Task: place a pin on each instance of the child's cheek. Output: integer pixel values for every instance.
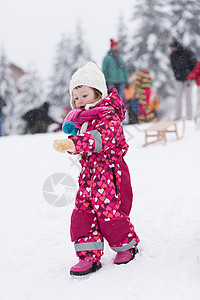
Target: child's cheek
(90, 101)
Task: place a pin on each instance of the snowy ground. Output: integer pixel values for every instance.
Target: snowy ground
(36, 252)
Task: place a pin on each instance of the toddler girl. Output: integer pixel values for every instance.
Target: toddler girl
(104, 198)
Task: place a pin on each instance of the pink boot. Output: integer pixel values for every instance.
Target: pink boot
(126, 256)
(84, 267)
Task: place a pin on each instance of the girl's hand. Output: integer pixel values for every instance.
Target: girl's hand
(63, 145)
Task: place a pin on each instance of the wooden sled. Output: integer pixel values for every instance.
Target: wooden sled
(161, 128)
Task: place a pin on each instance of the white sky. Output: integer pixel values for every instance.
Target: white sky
(31, 29)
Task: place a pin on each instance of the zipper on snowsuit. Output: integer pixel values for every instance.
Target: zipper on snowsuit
(114, 181)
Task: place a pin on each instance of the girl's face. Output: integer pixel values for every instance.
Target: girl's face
(83, 95)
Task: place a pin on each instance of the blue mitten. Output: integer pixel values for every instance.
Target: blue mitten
(68, 127)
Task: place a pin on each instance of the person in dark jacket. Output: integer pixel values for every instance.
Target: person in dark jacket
(183, 61)
(2, 104)
(38, 119)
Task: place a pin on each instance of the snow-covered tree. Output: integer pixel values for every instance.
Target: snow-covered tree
(149, 47)
(122, 35)
(81, 50)
(123, 38)
(58, 93)
(70, 55)
(29, 96)
(186, 22)
(7, 93)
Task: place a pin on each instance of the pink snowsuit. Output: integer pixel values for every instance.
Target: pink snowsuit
(104, 199)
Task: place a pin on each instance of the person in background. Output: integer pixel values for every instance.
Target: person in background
(38, 119)
(115, 71)
(130, 97)
(195, 75)
(183, 61)
(2, 104)
(143, 86)
(154, 104)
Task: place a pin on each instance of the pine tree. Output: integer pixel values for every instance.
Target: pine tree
(29, 96)
(58, 93)
(123, 39)
(122, 35)
(70, 55)
(81, 51)
(7, 93)
(149, 47)
(186, 22)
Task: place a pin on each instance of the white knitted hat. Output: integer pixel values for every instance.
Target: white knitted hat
(89, 75)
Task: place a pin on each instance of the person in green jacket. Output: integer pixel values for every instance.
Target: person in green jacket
(114, 69)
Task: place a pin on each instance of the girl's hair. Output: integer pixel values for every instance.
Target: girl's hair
(97, 93)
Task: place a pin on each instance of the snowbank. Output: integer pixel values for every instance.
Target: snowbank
(36, 251)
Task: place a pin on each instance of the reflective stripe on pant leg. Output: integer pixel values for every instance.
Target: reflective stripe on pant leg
(89, 246)
(125, 247)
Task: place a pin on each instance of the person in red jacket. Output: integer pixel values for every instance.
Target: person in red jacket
(104, 198)
(195, 75)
